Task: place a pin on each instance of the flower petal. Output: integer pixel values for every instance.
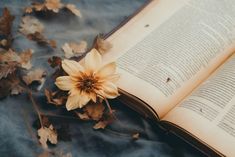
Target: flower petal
(107, 70)
(112, 78)
(64, 83)
(71, 67)
(76, 101)
(93, 60)
(110, 90)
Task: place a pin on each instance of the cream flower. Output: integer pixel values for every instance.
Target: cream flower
(85, 83)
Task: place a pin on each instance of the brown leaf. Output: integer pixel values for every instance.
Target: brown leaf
(50, 98)
(102, 45)
(54, 6)
(54, 61)
(23, 58)
(101, 125)
(33, 30)
(95, 110)
(5, 28)
(10, 85)
(6, 69)
(30, 25)
(73, 9)
(35, 75)
(83, 116)
(136, 136)
(72, 49)
(47, 134)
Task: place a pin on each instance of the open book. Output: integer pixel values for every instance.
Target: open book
(177, 67)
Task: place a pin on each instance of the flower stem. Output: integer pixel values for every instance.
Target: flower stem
(35, 107)
(108, 105)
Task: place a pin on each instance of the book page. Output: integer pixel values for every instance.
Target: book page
(170, 48)
(209, 112)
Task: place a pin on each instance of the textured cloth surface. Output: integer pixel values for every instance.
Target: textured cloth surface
(18, 138)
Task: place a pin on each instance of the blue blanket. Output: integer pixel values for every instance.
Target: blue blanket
(18, 137)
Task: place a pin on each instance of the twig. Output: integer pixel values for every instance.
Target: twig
(35, 107)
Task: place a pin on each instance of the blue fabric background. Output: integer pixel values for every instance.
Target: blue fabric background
(18, 138)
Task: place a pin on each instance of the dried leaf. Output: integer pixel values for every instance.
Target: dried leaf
(33, 29)
(5, 28)
(73, 9)
(6, 69)
(50, 98)
(102, 45)
(95, 110)
(47, 134)
(30, 25)
(23, 58)
(54, 6)
(54, 61)
(101, 125)
(35, 75)
(72, 49)
(136, 136)
(10, 85)
(83, 116)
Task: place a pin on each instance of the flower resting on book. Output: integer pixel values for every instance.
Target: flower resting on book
(88, 82)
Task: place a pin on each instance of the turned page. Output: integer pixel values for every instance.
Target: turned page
(170, 47)
(209, 112)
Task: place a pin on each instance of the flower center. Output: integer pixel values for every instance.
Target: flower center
(88, 83)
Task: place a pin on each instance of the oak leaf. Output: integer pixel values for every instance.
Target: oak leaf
(47, 134)
(30, 25)
(95, 110)
(53, 5)
(7, 68)
(22, 58)
(37, 75)
(72, 49)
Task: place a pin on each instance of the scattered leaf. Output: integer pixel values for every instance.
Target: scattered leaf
(5, 28)
(47, 134)
(136, 136)
(101, 124)
(33, 30)
(22, 58)
(7, 68)
(51, 98)
(35, 75)
(73, 9)
(30, 25)
(94, 110)
(54, 6)
(102, 45)
(83, 116)
(72, 49)
(54, 61)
